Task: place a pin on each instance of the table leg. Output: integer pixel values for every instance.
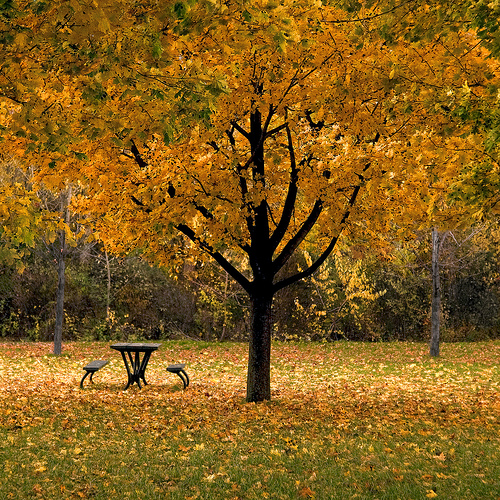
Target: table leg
(144, 364)
(129, 371)
(137, 368)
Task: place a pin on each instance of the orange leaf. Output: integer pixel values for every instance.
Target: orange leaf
(306, 492)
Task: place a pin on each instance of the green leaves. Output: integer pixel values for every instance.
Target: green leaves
(486, 17)
(180, 10)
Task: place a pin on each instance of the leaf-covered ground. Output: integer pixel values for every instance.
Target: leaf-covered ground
(347, 420)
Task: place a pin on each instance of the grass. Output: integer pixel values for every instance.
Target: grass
(347, 420)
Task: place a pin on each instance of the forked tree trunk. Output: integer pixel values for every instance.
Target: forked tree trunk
(259, 356)
(272, 242)
(436, 295)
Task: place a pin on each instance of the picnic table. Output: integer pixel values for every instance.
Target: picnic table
(137, 367)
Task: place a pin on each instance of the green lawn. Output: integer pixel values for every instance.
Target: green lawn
(347, 420)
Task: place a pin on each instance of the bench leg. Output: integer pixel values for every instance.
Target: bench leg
(184, 377)
(84, 377)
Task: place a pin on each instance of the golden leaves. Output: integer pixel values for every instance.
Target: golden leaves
(362, 114)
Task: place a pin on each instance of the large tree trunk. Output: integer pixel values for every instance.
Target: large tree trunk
(436, 295)
(259, 356)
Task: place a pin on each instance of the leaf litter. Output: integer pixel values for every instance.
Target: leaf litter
(381, 415)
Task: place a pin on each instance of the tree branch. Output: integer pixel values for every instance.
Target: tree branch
(276, 130)
(217, 256)
(137, 156)
(291, 197)
(372, 16)
(315, 266)
(310, 270)
(294, 242)
(140, 204)
(241, 130)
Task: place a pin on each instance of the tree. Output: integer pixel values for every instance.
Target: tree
(309, 122)
(437, 240)
(28, 215)
(65, 232)
(60, 258)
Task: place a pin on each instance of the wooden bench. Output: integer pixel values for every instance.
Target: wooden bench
(91, 368)
(179, 370)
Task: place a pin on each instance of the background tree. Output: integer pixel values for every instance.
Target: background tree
(58, 240)
(61, 271)
(437, 240)
(334, 304)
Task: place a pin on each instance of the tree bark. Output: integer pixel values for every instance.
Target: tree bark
(61, 279)
(108, 288)
(436, 295)
(61, 273)
(259, 356)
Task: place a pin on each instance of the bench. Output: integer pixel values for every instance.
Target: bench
(91, 368)
(179, 370)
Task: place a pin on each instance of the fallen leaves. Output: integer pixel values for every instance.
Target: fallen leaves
(354, 419)
(306, 492)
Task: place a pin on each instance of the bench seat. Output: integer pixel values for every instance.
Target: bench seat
(179, 370)
(91, 368)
